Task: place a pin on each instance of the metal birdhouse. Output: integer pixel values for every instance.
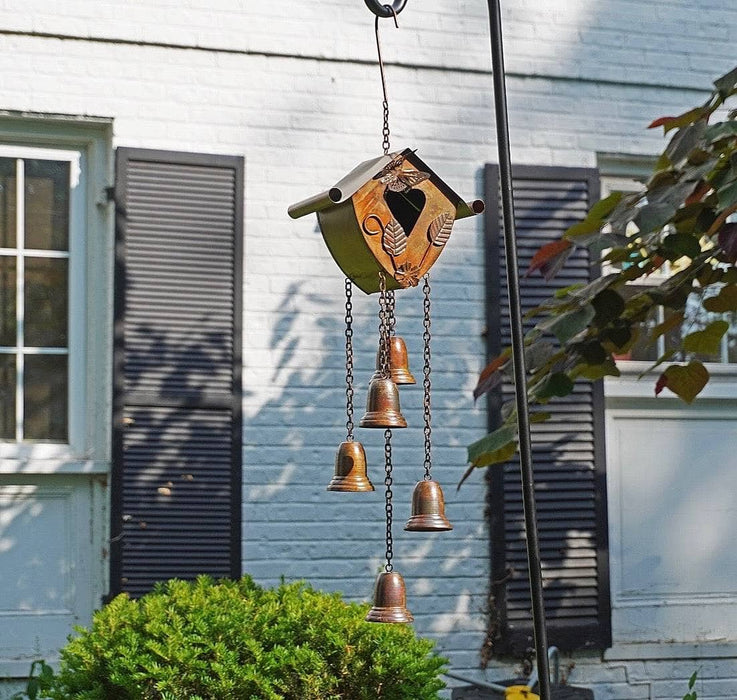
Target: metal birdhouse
(391, 214)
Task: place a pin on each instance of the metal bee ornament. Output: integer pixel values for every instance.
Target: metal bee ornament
(391, 214)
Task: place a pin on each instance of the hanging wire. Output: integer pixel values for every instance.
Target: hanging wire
(349, 359)
(426, 336)
(385, 130)
(388, 498)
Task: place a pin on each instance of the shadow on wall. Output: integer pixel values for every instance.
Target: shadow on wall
(293, 527)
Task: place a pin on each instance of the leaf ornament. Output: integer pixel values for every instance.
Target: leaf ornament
(439, 230)
(394, 240)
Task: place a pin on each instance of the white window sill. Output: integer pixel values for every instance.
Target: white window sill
(53, 466)
(722, 383)
(671, 650)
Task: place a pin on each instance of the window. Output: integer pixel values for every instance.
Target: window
(41, 297)
(696, 318)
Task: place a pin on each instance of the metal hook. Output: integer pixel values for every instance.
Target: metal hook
(381, 9)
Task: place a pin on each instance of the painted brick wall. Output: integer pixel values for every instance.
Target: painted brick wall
(293, 87)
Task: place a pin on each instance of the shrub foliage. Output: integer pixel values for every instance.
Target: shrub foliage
(236, 640)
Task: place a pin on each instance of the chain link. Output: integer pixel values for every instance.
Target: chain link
(383, 327)
(426, 336)
(391, 306)
(388, 481)
(349, 359)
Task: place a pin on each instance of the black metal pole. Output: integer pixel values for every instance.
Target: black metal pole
(518, 348)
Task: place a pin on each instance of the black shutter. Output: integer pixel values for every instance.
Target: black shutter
(568, 450)
(176, 487)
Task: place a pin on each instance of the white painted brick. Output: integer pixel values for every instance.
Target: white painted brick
(303, 124)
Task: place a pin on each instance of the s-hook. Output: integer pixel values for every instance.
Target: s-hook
(381, 9)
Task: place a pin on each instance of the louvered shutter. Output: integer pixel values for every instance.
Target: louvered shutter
(568, 450)
(177, 432)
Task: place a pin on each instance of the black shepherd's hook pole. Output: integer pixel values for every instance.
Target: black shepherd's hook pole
(518, 348)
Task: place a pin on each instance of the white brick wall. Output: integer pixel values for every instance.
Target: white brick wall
(302, 122)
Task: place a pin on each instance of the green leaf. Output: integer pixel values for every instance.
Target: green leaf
(652, 217)
(618, 339)
(595, 218)
(686, 382)
(707, 341)
(608, 305)
(673, 321)
(721, 130)
(494, 447)
(694, 675)
(569, 324)
(727, 195)
(598, 371)
(680, 244)
(684, 141)
(726, 83)
(592, 352)
(723, 302)
(684, 119)
(558, 384)
(539, 417)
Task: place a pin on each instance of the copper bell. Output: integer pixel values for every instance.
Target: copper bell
(350, 469)
(428, 509)
(382, 405)
(390, 599)
(398, 362)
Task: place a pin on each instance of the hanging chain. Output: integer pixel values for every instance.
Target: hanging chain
(383, 327)
(391, 305)
(385, 130)
(426, 336)
(389, 507)
(349, 359)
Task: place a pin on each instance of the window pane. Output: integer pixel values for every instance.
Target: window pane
(47, 204)
(7, 397)
(7, 203)
(46, 302)
(45, 398)
(7, 301)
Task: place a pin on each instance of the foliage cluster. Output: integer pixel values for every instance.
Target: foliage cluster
(234, 640)
(680, 221)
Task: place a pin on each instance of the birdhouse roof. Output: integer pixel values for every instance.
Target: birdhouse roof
(345, 188)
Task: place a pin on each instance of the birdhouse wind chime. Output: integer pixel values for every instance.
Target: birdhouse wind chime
(385, 224)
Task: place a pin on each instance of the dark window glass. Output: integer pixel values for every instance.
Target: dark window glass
(47, 204)
(45, 398)
(7, 300)
(7, 397)
(7, 203)
(46, 302)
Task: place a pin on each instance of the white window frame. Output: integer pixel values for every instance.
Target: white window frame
(76, 301)
(87, 147)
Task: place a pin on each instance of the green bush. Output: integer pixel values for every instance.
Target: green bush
(234, 640)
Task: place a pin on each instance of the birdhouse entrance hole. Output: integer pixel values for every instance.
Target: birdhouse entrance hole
(405, 207)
